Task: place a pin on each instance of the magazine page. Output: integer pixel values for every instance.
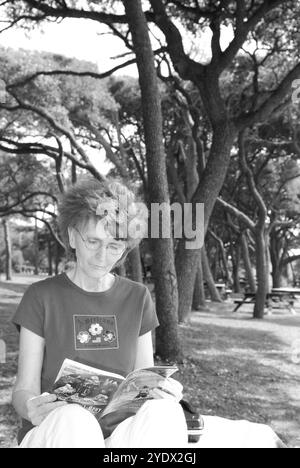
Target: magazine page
(142, 385)
(88, 386)
(164, 371)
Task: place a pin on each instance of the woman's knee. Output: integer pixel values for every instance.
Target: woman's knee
(73, 413)
(73, 426)
(162, 409)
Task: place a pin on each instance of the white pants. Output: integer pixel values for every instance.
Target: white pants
(158, 424)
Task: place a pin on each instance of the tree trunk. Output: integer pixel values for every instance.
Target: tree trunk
(186, 274)
(235, 258)
(277, 252)
(50, 268)
(168, 345)
(276, 275)
(247, 263)
(261, 274)
(8, 261)
(56, 256)
(225, 263)
(208, 190)
(73, 173)
(261, 234)
(214, 293)
(214, 261)
(36, 249)
(136, 265)
(199, 292)
(268, 261)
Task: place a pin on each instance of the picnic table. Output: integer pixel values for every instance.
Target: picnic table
(276, 297)
(223, 290)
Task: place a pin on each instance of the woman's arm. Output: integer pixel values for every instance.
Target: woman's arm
(28, 383)
(144, 355)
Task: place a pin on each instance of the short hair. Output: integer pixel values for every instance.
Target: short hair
(89, 199)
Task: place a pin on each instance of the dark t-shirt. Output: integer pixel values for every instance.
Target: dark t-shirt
(97, 328)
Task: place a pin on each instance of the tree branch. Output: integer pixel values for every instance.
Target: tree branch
(58, 164)
(37, 148)
(20, 18)
(244, 27)
(197, 12)
(67, 12)
(6, 209)
(184, 66)
(31, 215)
(271, 103)
(45, 115)
(294, 258)
(250, 178)
(237, 213)
(108, 149)
(89, 74)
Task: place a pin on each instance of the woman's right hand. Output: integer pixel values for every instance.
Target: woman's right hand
(39, 407)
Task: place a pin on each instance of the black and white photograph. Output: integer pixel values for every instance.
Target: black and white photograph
(150, 226)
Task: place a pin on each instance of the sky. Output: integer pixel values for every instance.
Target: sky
(82, 39)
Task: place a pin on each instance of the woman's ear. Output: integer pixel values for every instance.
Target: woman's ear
(71, 233)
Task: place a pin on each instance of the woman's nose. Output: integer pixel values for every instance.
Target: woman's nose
(101, 252)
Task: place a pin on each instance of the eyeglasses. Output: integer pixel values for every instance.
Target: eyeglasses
(96, 244)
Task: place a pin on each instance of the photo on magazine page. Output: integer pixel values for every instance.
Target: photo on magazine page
(142, 385)
(85, 385)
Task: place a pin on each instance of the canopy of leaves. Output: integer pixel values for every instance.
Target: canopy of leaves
(18, 185)
(65, 97)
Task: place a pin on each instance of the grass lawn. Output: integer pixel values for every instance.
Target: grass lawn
(234, 366)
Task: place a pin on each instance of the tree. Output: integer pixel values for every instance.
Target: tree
(206, 79)
(267, 206)
(8, 258)
(226, 121)
(167, 340)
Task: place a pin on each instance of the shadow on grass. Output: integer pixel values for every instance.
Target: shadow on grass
(10, 295)
(8, 426)
(233, 335)
(15, 286)
(282, 318)
(291, 321)
(242, 373)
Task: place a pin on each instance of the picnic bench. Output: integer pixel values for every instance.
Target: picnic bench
(223, 290)
(275, 298)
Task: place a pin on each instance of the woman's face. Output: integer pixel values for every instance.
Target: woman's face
(96, 250)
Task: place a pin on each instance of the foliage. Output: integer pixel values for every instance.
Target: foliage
(65, 97)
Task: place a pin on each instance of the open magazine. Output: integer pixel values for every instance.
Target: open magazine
(112, 397)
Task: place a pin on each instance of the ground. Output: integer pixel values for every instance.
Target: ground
(234, 366)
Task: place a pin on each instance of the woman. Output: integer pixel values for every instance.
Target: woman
(100, 223)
